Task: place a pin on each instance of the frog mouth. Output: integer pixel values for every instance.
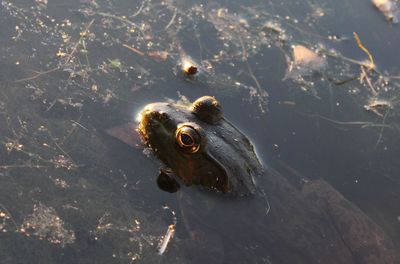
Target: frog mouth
(149, 121)
(144, 123)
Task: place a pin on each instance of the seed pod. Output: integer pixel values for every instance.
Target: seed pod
(189, 67)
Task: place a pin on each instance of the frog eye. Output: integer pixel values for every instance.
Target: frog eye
(188, 138)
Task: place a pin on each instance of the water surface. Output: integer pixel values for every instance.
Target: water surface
(69, 70)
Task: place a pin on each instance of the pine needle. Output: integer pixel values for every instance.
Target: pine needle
(363, 48)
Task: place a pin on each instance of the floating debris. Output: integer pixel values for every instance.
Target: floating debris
(44, 223)
(4, 217)
(189, 67)
(287, 103)
(62, 161)
(273, 26)
(42, 4)
(133, 49)
(59, 182)
(13, 145)
(306, 57)
(303, 65)
(377, 106)
(158, 56)
(371, 65)
(94, 88)
(115, 63)
(389, 8)
(166, 239)
(304, 62)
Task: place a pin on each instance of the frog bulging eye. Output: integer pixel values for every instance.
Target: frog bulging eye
(188, 138)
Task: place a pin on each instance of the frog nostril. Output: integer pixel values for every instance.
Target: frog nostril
(158, 116)
(164, 116)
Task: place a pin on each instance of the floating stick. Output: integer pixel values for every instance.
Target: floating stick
(167, 238)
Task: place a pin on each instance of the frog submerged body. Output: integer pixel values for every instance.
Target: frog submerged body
(261, 215)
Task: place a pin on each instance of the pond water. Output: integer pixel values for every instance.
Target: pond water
(292, 75)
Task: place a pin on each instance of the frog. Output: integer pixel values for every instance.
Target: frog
(196, 151)
(285, 219)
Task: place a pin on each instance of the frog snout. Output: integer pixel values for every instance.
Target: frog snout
(152, 114)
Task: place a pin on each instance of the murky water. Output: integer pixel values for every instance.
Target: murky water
(69, 193)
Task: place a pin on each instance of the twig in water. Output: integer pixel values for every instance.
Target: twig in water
(381, 131)
(363, 124)
(364, 76)
(83, 34)
(167, 238)
(80, 125)
(139, 10)
(133, 49)
(171, 21)
(269, 206)
(122, 19)
(30, 166)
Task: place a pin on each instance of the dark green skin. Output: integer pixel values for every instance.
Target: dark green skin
(226, 160)
(307, 222)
